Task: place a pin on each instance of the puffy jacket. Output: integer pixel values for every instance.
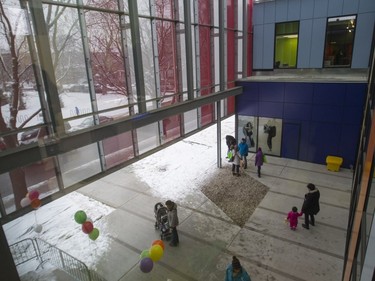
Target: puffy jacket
(243, 148)
(259, 158)
(311, 203)
(243, 276)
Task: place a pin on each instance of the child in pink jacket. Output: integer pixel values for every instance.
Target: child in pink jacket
(293, 218)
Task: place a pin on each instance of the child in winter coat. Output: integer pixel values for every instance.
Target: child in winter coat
(235, 272)
(236, 161)
(293, 218)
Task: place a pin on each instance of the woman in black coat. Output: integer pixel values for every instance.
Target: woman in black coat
(310, 206)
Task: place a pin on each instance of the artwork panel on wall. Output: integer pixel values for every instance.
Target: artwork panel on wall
(247, 129)
(269, 135)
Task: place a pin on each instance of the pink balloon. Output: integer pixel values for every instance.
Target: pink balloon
(33, 194)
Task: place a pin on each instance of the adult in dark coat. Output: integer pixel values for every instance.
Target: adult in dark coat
(310, 206)
(230, 141)
(173, 221)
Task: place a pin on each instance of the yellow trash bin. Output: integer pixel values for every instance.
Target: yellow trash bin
(334, 163)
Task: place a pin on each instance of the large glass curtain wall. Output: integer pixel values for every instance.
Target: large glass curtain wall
(68, 66)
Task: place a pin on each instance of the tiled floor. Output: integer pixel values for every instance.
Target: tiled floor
(266, 247)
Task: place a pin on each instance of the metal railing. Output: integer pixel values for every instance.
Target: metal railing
(42, 251)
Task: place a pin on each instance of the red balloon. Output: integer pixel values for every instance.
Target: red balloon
(35, 204)
(33, 194)
(87, 227)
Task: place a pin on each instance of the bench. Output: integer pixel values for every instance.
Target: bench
(333, 163)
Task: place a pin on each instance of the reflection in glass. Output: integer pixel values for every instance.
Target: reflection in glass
(339, 41)
(107, 59)
(79, 164)
(39, 176)
(286, 44)
(118, 149)
(147, 59)
(148, 137)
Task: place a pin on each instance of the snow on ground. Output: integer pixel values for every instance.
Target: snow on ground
(190, 161)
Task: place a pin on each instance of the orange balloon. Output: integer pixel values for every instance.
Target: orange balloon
(158, 242)
(35, 204)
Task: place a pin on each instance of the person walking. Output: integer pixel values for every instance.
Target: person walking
(235, 272)
(173, 222)
(244, 151)
(259, 160)
(236, 161)
(293, 218)
(310, 205)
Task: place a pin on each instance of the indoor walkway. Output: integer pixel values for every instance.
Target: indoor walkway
(266, 246)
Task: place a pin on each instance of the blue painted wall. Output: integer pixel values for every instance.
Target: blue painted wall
(312, 15)
(326, 117)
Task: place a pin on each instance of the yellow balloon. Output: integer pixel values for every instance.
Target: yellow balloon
(156, 252)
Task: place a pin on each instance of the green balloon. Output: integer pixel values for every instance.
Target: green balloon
(145, 254)
(94, 234)
(80, 217)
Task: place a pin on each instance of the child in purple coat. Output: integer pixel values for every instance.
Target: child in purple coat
(293, 218)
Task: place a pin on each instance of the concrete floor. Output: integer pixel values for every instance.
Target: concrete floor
(266, 247)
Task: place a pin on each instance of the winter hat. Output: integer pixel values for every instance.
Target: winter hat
(311, 186)
(236, 263)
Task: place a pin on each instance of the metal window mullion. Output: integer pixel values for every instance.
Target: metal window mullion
(155, 55)
(128, 80)
(137, 56)
(244, 38)
(94, 103)
(197, 60)
(222, 45)
(46, 63)
(178, 67)
(189, 55)
(236, 37)
(40, 89)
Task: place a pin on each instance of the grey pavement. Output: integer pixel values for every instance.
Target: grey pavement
(266, 247)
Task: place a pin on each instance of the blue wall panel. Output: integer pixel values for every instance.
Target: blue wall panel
(269, 12)
(307, 9)
(304, 43)
(317, 42)
(324, 140)
(312, 15)
(294, 10)
(298, 92)
(352, 115)
(366, 6)
(326, 113)
(271, 92)
(332, 94)
(329, 115)
(362, 40)
(335, 7)
(268, 46)
(354, 94)
(281, 11)
(271, 109)
(320, 8)
(258, 14)
(295, 111)
(258, 47)
(350, 7)
(349, 139)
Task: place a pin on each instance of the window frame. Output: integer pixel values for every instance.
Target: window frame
(286, 34)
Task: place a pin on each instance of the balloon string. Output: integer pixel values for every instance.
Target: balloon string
(36, 221)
